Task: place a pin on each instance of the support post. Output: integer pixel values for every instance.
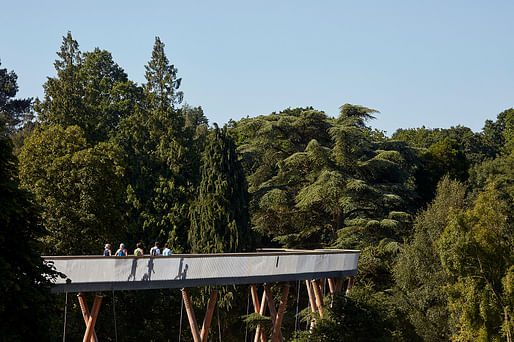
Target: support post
(85, 314)
(332, 285)
(319, 296)
(277, 334)
(92, 319)
(339, 285)
(259, 334)
(321, 283)
(257, 309)
(255, 298)
(312, 301)
(271, 307)
(191, 316)
(351, 281)
(208, 315)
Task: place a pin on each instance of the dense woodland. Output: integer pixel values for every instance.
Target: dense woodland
(101, 159)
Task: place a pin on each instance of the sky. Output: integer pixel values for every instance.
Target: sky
(432, 63)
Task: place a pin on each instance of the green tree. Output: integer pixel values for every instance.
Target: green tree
(419, 275)
(219, 218)
(156, 149)
(472, 144)
(161, 87)
(13, 111)
(79, 188)
(443, 157)
(90, 91)
(27, 305)
(308, 184)
(477, 253)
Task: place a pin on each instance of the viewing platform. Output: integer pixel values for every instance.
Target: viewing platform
(99, 273)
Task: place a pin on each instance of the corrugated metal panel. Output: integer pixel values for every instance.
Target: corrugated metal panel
(92, 273)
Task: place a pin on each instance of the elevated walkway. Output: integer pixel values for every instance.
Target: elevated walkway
(99, 273)
(317, 267)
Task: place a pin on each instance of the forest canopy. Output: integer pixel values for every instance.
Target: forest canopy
(103, 157)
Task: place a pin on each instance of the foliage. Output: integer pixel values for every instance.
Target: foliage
(13, 111)
(357, 317)
(471, 143)
(477, 252)
(27, 305)
(308, 185)
(114, 161)
(79, 188)
(90, 91)
(443, 157)
(418, 272)
(155, 146)
(219, 218)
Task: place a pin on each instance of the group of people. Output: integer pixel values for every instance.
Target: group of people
(122, 251)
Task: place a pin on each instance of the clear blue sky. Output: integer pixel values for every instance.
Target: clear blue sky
(432, 63)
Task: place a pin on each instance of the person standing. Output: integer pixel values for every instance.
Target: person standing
(167, 250)
(139, 249)
(122, 251)
(107, 249)
(154, 251)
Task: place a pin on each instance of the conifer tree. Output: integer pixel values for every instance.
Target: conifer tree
(156, 148)
(219, 218)
(12, 111)
(161, 87)
(90, 91)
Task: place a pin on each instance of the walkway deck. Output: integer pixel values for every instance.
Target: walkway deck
(98, 273)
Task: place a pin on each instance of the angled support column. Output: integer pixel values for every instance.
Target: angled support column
(85, 314)
(88, 335)
(199, 336)
(312, 301)
(276, 317)
(319, 296)
(271, 307)
(277, 334)
(191, 316)
(339, 285)
(259, 336)
(351, 281)
(321, 283)
(208, 315)
(332, 285)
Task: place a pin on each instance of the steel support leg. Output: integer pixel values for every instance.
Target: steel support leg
(85, 314)
(351, 281)
(339, 285)
(277, 335)
(257, 309)
(92, 319)
(259, 334)
(271, 307)
(319, 296)
(332, 285)
(191, 316)
(312, 301)
(208, 315)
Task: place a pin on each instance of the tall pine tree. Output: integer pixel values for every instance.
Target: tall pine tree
(156, 148)
(219, 218)
(90, 91)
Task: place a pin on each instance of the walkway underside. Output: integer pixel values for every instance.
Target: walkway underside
(98, 273)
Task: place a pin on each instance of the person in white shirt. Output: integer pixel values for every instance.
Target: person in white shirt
(154, 251)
